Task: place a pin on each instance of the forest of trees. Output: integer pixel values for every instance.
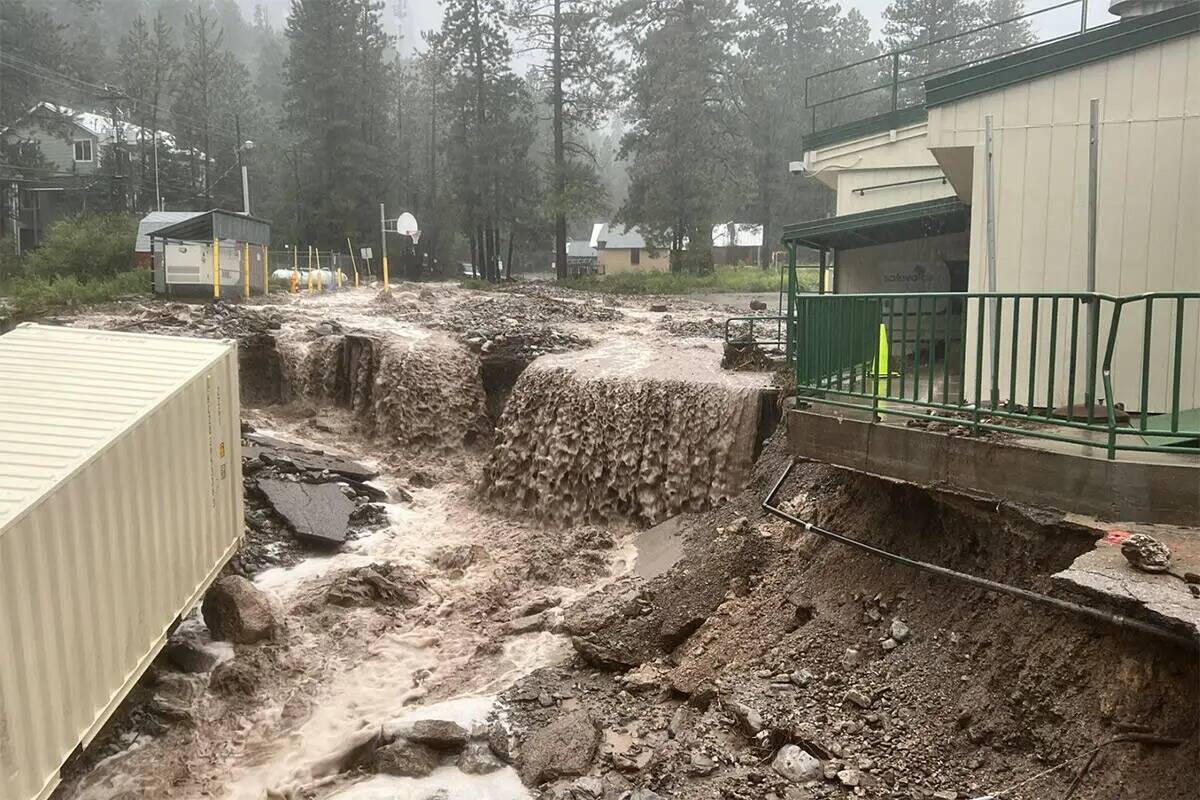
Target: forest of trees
(515, 125)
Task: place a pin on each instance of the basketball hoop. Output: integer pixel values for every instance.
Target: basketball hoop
(415, 235)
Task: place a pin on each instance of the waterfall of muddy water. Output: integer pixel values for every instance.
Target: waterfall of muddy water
(632, 430)
(414, 390)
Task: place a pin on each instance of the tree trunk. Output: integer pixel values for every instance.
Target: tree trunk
(508, 262)
(560, 177)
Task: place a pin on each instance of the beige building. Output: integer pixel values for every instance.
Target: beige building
(913, 209)
(620, 249)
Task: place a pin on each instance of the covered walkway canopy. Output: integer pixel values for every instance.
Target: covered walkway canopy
(882, 226)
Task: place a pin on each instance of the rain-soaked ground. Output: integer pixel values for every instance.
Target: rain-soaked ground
(338, 674)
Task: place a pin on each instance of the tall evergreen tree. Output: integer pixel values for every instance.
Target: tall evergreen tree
(783, 42)
(576, 70)
(336, 85)
(487, 108)
(681, 143)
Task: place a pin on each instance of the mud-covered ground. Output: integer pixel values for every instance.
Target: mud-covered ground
(514, 583)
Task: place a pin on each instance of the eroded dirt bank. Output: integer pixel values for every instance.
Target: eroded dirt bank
(871, 679)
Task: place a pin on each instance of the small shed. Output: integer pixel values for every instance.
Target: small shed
(213, 253)
(143, 254)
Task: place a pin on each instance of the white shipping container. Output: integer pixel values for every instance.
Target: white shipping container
(120, 501)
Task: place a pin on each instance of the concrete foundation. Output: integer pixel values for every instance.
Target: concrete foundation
(1129, 489)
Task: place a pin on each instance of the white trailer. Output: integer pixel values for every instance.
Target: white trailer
(120, 502)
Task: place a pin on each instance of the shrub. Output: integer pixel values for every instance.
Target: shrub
(85, 247)
(34, 295)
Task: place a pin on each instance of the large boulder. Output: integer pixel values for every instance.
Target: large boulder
(564, 748)
(406, 759)
(234, 610)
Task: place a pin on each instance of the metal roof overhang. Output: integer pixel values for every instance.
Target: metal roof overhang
(217, 224)
(883, 226)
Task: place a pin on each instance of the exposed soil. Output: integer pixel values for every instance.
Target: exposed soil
(983, 692)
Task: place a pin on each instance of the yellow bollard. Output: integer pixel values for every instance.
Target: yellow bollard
(295, 281)
(246, 270)
(216, 269)
(337, 272)
(386, 283)
(266, 253)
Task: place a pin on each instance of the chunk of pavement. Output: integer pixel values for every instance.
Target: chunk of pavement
(797, 765)
(851, 658)
(1146, 553)
(406, 759)
(440, 733)
(748, 718)
(601, 655)
(658, 308)
(316, 512)
(564, 748)
(235, 610)
(900, 631)
(269, 449)
(477, 759)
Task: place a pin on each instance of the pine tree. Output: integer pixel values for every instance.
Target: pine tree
(336, 84)
(783, 42)
(682, 143)
(487, 108)
(576, 71)
(933, 27)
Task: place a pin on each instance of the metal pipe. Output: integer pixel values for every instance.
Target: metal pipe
(1096, 614)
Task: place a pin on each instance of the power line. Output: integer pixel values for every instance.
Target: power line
(35, 70)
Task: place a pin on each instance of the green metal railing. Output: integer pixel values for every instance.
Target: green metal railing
(896, 80)
(1054, 365)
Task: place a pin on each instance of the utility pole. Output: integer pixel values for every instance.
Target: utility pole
(383, 240)
(158, 201)
(242, 145)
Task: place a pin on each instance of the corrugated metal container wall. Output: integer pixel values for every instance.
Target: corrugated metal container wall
(120, 501)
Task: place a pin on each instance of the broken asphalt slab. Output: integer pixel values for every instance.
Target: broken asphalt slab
(316, 512)
(1164, 598)
(276, 451)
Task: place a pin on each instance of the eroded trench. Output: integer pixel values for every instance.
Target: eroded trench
(606, 500)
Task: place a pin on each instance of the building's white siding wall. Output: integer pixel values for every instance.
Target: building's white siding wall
(857, 189)
(1148, 216)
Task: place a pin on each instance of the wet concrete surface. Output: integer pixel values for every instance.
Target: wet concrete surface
(1171, 598)
(659, 548)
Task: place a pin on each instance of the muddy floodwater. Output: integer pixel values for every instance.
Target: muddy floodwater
(502, 495)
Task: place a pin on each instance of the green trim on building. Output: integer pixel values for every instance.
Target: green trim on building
(881, 123)
(1046, 59)
(883, 226)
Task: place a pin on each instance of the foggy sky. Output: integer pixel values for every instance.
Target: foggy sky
(427, 14)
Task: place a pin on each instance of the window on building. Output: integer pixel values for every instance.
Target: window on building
(635, 256)
(83, 149)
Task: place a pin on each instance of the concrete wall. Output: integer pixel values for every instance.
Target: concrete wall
(617, 260)
(1148, 216)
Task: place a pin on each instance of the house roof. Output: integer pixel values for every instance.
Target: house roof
(610, 237)
(157, 220)
(100, 126)
(581, 248)
(217, 224)
(1073, 51)
(882, 226)
(744, 235)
